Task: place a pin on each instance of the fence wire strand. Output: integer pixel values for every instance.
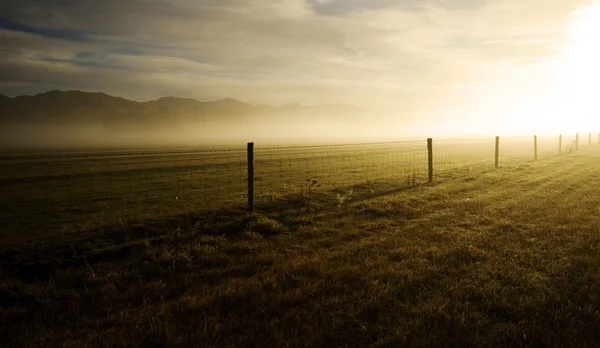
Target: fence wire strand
(347, 170)
(82, 191)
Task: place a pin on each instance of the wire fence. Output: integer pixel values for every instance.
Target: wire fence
(470, 156)
(72, 192)
(344, 169)
(76, 193)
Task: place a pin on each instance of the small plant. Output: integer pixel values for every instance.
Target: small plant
(369, 185)
(251, 235)
(411, 179)
(83, 264)
(270, 198)
(571, 147)
(263, 226)
(342, 198)
(309, 191)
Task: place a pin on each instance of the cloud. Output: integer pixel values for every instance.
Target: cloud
(409, 56)
(56, 34)
(341, 7)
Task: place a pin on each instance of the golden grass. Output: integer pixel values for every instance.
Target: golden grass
(505, 258)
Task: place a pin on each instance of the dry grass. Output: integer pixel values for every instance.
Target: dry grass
(47, 196)
(507, 258)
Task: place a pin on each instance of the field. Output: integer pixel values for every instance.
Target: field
(483, 257)
(51, 193)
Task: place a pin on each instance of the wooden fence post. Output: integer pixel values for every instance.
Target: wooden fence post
(577, 142)
(590, 140)
(560, 144)
(535, 152)
(430, 159)
(497, 151)
(251, 177)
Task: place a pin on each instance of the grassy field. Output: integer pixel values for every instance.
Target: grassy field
(492, 258)
(49, 193)
(56, 193)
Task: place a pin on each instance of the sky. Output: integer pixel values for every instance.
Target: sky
(462, 64)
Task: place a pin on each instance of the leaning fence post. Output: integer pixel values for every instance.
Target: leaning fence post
(535, 147)
(251, 177)
(577, 141)
(560, 144)
(430, 158)
(497, 151)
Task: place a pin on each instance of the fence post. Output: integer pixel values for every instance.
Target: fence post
(577, 142)
(598, 139)
(497, 151)
(590, 140)
(430, 158)
(560, 144)
(251, 177)
(535, 147)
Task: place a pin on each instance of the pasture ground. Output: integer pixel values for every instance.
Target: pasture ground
(504, 258)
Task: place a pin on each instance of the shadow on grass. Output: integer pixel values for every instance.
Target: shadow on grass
(37, 261)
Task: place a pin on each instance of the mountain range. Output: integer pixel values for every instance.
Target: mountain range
(114, 113)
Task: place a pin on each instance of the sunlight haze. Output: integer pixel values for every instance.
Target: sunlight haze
(433, 67)
(300, 173)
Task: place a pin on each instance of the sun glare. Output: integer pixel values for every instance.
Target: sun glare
(568, 101)
(580, 71)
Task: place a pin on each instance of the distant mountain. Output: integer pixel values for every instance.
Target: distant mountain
(94, 108)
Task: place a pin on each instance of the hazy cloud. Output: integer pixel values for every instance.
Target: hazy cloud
(413, 55)
(340, 7)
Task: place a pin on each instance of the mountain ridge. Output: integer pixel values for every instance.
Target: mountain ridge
(171, 97)
(78, 107)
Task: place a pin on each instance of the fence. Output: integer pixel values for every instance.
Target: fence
(74, 192)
